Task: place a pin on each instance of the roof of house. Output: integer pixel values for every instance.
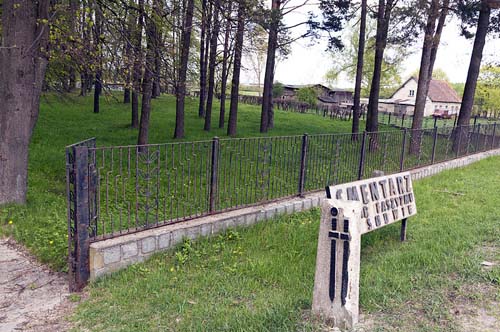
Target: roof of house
(439, 91)
(326, 99)
(297, 87)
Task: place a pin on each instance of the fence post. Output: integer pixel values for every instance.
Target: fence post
(213, 174)
(403, 149)
(82, 219)
(494, 133)
(478, 138)
(389, 123)
(303, 160)
(458, 130)
(434, 145)
(403, 121)
(469, 138)
(362, 157)
(435, 121)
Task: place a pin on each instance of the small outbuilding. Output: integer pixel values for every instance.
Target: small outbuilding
(326, 96)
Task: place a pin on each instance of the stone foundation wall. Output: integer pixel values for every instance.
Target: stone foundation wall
(423, 172)
(114, 254)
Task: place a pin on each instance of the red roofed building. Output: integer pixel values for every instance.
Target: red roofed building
(442, 99)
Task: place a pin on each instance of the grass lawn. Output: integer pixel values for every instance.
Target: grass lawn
(261, 278)
(65, 119)
(428, 121)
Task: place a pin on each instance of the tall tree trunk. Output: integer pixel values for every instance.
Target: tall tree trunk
(23, 62)
(437, 37)
(205, 24)
(128, 62)
(98, 54)
(464, 116)
(359, 71)
(212, 64)
(84, 74)
(225, 67)
(126, 95)
(181, 85)
(235, 85)
(73, 8)
(137, 70)
(424, 77)
(157, 51)
(269, 74)
(383, 18)
(147, 82)
(270, 116)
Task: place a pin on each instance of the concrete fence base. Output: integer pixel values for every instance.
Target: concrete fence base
(111, 255)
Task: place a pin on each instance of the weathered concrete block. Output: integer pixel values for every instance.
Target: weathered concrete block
(206, 229)
(129, 250)
(289, 208)
(270, 213)
(297, 206)
(280, 210)
(164, 241)
(239, 221)
(307, 204)
(261, 215)
(148, 244)
(177, 237)
(218, 226)
(96, 259)
(250, 219)
(192, 232)
(111, 255)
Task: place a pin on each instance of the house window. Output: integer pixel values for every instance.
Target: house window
(412, 93)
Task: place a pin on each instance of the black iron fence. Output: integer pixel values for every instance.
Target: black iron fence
(123, 189)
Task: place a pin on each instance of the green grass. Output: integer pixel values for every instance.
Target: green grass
(428, 122)
(65, 119)
(261, 278)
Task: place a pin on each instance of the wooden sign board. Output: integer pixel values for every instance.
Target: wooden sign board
(351, 210)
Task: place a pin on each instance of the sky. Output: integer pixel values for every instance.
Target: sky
(308, 64)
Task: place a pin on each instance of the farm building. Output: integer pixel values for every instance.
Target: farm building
(442, 99)
(326, 95)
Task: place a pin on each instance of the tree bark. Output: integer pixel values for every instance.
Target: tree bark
(157, 51)
(269, 74)
(235, 85)
(225, 66)
(137, 70)
(424, 77)
(181, 85)
(464, 116)
(84, 74)
(73, 8)
(212, 65)
(23, 62)
(383, 18)
(147, 83)
(356, 112)
(205, 23)
(98, 54)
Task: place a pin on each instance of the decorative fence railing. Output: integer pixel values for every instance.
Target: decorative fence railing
(123, 189)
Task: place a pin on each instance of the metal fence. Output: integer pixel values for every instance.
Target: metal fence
(123, 189)
(406, 120)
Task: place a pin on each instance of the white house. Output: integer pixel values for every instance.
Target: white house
(441, 99)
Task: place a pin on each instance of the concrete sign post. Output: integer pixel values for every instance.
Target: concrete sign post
(353, 209)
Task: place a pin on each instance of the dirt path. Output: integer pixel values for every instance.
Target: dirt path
(32, 297)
